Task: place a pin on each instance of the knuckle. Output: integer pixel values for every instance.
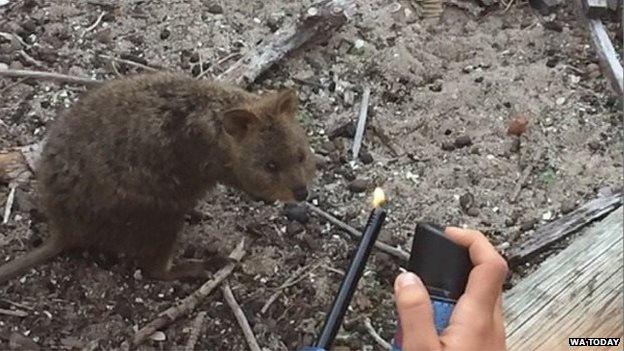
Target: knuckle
(501, 265)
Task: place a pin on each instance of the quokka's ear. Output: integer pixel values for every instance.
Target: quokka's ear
(237, 122)
(287, 102)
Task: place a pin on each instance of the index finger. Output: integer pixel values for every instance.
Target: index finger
(486, 279)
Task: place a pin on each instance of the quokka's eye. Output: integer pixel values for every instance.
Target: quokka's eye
(271, 166)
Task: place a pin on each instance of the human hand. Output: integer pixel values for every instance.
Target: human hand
(477, 321)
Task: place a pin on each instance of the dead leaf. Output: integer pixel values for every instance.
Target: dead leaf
(518, 125)
(158, 336)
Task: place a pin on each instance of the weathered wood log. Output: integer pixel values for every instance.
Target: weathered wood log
(576, 293)
(319, 21)
(561, 228)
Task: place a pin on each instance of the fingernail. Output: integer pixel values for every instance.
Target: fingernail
(407, 279)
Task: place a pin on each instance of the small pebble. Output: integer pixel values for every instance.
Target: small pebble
(462, 141)
(297, 212)
(165, 33)
(560, 101)
(448, 146)
(479, 79)
(567, 206)
(552, 62)
(547, 216)
(436, 87)
(215, 9)
(365, 157)
(466, 201)
(528, 225)
(473, 212)
(594, 145)
(359, 185)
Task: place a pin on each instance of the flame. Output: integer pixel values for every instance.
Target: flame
(379, 198)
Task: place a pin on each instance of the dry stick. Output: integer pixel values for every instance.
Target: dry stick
(321, 19)
(369, 327)
(129, 62)
(190, 302)
(9, 203)
(18, 305)
(525, 174)
(31, 60)
(13, 313)
(14, 37)
(11, 85)
(361, 124)
(394, 251)
(92, 27)
(196, 328)
(240, 317)
(63, 78)
(293, 279)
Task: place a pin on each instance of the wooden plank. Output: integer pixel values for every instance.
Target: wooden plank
(564, 226)
(577, 293)
(606, 55)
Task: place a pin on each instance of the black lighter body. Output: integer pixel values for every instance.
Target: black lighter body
(443, 266)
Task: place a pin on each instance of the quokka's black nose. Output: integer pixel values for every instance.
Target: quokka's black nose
(301, 194)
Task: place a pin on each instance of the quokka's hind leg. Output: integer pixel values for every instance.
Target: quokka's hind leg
(157, 263)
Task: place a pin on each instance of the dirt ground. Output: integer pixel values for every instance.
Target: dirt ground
(442, 93)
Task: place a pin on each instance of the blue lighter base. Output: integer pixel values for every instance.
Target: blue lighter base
(442, 311)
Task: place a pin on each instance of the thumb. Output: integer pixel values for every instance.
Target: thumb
(415, 313)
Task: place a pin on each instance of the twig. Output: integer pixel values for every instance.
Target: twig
(369, 327)
(219, 63)
(394, 251)
(508, 6)
(31, 60)
(18, 73)
(20, 314)
(525, 174)
(361, 124)
(95, 24)
(240, 317)
(292, 280)
(189, 303)
(14, 37)
(196, 328)
(9, 203)
(335, 270)
(18, 305)
(129, 63)
(11, 85)
(320, 20)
